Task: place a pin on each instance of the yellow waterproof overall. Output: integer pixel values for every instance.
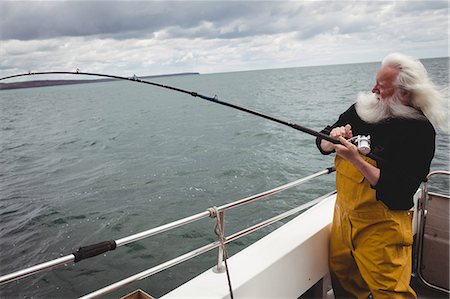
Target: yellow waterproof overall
(370, 246)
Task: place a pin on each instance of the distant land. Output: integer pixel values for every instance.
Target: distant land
(43, 83)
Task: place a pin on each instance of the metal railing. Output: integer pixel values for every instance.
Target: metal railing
(211, 212)
(422, 210)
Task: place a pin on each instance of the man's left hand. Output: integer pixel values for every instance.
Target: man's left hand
(347, 150)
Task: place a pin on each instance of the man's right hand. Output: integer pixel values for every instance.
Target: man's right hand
(345, 131)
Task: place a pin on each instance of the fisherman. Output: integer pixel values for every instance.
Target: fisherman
(371, 238)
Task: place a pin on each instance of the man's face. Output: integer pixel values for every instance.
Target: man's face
(385, 82)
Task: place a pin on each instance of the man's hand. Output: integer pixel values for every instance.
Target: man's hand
(347, 150)
(345, 131)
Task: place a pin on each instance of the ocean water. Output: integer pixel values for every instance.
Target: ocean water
(85, 163)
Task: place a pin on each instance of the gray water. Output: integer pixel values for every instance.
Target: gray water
(86, 163)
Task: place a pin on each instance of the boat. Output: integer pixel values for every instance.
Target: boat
(291, 261)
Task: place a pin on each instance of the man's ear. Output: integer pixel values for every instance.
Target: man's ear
(405, 96)
(405, 93)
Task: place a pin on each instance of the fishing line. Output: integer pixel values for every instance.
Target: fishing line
(214, 99)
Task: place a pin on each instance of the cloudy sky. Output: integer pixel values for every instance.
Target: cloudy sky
(160, 37)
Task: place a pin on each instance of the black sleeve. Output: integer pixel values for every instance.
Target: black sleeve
(406, 168)
(344, 118)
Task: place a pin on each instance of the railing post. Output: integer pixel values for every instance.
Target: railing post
(423, 206)
(220, 268)
(420, 219)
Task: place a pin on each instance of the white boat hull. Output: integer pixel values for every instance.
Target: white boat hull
(284, 264)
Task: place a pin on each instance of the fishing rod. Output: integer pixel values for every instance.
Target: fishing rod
(363, 143)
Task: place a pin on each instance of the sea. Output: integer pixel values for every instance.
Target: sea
(86, 163)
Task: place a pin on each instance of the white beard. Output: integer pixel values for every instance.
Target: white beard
(372, 109)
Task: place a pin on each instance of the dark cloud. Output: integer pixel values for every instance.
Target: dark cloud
(422, 6)
(189, 19)
(43, 20)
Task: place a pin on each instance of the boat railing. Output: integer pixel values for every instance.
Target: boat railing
(433, 232)
(213, 212)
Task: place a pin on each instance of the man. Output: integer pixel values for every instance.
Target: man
(371, 238)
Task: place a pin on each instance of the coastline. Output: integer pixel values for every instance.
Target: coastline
(45, 83)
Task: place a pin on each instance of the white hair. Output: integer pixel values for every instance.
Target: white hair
(425, 97)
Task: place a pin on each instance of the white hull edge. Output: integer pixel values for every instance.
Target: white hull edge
(284, 264)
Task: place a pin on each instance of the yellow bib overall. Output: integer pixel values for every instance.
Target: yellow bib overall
(370, 246)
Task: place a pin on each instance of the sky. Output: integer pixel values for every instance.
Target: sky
(164, 37)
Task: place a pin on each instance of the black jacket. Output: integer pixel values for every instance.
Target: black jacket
(405, 148)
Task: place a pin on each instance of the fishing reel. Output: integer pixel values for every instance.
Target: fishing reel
(362, 143)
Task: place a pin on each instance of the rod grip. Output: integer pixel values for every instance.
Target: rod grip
(93, 250)
(331, 169)
(315, 133)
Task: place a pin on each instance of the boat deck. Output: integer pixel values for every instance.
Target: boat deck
(425, 292)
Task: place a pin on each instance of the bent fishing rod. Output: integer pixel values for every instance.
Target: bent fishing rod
(363, 142)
